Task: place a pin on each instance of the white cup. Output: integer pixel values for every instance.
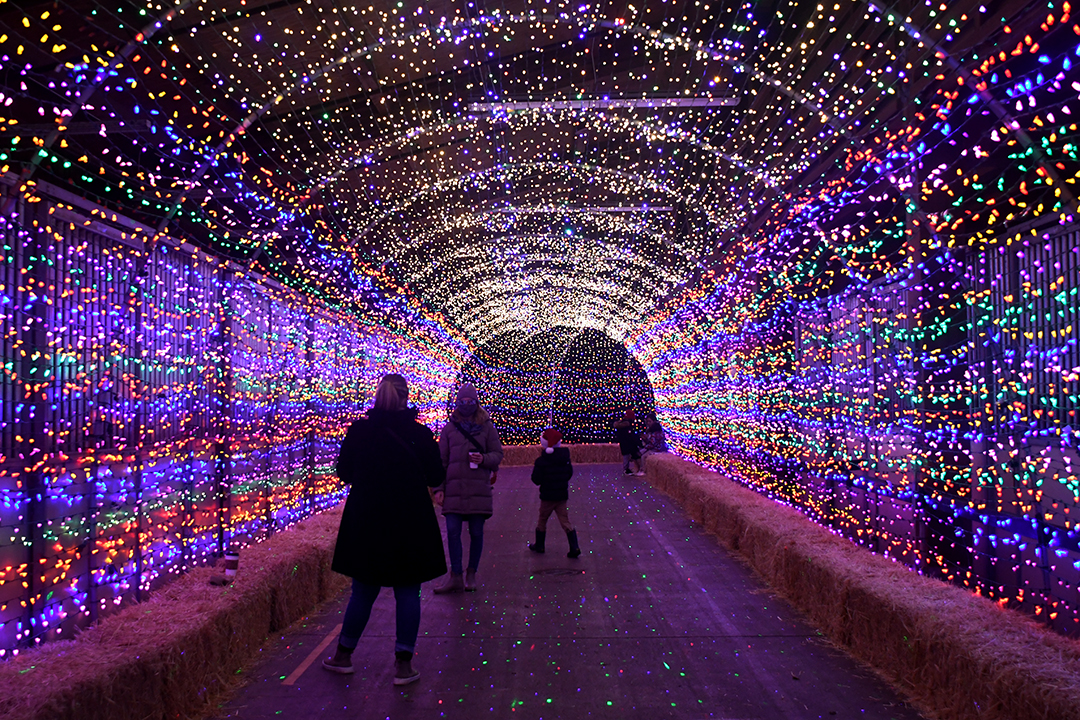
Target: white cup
(473, 466)
(232, 563)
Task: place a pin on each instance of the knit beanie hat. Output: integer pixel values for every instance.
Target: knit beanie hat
(466, 392)
(550, 439)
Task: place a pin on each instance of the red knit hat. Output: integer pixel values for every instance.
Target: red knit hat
(550, 439)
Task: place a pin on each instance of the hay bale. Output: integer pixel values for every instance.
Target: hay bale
(713, 511)
(693, 497)
(319, 533)
(658, 473)
(518, 455)
(595, 454)
(671, 474)
(958, 655)
(965, 659)
(174, 653)
(820, 577)
(721, 518)
(289, 566)
(176, 649)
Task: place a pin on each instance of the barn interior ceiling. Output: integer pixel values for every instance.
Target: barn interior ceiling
(515, 166)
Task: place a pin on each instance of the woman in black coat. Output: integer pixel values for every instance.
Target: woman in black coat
(389, 536)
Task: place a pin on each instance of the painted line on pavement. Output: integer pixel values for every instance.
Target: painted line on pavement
(311, 657)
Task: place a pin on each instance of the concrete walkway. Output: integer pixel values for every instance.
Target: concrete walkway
(654, 620)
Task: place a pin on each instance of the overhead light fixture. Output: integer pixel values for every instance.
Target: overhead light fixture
(641, 103)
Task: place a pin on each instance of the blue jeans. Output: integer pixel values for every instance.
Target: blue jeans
(453, 539)
(359, 610)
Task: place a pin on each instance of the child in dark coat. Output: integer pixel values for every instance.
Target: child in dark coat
(552, 472)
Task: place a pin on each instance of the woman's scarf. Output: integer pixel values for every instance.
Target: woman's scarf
(472, 425)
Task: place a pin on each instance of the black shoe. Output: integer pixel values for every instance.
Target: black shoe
(404, 673)
(455, 584)
(575, 549)
(538, 546)
(341, 663)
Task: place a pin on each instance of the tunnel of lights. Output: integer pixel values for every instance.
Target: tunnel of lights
(833, 245)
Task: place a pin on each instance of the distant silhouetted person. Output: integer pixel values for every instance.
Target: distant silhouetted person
(471, 452)
(655, 442)
(629, 443)
(389, 535)
(552, 472)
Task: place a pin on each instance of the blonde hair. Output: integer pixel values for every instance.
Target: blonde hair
(392, 393)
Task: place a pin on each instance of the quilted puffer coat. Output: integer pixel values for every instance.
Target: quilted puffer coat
(467, 491)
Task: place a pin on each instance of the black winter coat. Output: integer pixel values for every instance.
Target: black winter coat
(389, 534)
(627, 437)
(552, 472)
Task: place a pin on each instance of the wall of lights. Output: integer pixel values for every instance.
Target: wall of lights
(906, 370)
(158, 410)
(942, 435)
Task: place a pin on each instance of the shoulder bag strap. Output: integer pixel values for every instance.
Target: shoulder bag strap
(469, 437)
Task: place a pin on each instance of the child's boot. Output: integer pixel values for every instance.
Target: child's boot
(538, 546)
(575, 550)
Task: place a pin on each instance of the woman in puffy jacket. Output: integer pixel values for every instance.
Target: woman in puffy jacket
(389, 535)
(471, 453)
